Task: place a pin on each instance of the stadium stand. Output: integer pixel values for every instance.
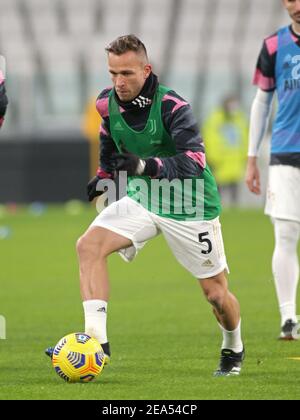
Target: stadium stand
(55, 57)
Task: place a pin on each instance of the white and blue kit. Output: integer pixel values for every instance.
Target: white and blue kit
(278, 69)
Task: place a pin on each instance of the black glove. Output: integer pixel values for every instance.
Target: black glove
(133, 165)
(128, 162)
(91, 188)
(3, 100)
(92, 185)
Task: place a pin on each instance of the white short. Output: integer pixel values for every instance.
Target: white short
(283, 193)
(198, 246)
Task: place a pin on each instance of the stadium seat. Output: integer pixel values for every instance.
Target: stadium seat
(60, 39)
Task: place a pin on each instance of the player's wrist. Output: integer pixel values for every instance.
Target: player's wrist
(140, 167)
(252, 160)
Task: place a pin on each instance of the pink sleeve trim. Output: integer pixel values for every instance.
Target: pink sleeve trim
(272, 44)
(103, 131)
(265, 83)
(1, 78)
(102, 174)
(198, 157)
(159, 162)
(1, 121)
(102, 107)
(159, 166)
(179, 103)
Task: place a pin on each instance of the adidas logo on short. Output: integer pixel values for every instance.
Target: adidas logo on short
(207, 263)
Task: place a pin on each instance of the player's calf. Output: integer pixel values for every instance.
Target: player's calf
(227, 311)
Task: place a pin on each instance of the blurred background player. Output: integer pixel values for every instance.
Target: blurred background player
(225, 134)
(278, 69)
(161, 136)
(3, 97)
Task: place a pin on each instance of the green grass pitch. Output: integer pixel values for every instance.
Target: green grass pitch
(165, 341)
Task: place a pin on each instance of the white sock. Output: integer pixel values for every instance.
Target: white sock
(285, 266)
(232, 340)
(95, 313)
(288, 311)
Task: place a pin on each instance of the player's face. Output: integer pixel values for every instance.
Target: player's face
(128, 73)
(293, 8)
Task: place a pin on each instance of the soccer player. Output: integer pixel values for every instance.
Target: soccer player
(3, 97)
(278, 69)
(149, 131)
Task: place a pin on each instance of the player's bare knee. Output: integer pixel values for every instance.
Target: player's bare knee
(81, 246)
(90, 247)
(86, 248)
